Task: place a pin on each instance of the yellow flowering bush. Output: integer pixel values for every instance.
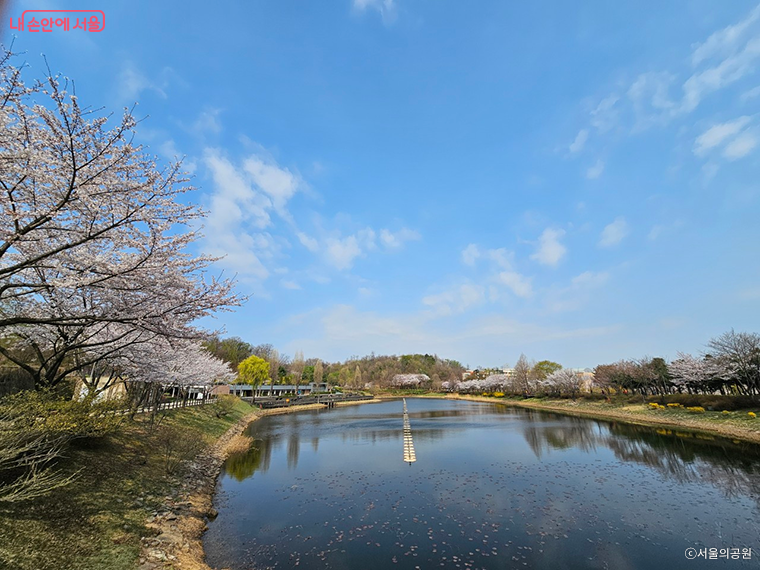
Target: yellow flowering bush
(725, 412)
(696, 410)
(654, 405)
(752, 414)
(675, 406)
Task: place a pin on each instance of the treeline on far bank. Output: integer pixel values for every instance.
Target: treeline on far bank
(358, 373)
(726, 376)
(729, 367)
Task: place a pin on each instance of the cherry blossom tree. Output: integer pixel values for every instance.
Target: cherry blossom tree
(93, 235)
(740, 354)
(695, 375)
(563, 382)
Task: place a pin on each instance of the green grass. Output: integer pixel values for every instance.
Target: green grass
(734, 424)
(97, 521)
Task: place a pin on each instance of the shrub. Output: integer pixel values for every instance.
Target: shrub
(35, 429)
(178, 445)
(224, 405)
(752, 414)
(654, 405)
(675, 405)
(710, 401)
(696, 409)
(725, 412)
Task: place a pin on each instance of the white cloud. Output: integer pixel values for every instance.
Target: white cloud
(501, 257)
(308, 242)
(605, 116)
(288, 284)
(517, 283)
(717, 134)
(208, 122)
(234, 199)
(396, 240)
(614, 233)
(751, 94)
(279, 183)
(386, 8)
(650, 97)
(591, 279)
(725, 73)
(341, 252)
(131, 82)
(595, 171)
(550, 251)
(577, 294)
(723, 42)
(455, 300)
(726, 57)
(470, 255)
(579, 142)
(740, 147)
(239, 210)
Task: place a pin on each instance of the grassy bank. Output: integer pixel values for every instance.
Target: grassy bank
(97, 521)
(735, 425)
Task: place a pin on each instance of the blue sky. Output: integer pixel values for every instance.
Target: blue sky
(575, 181)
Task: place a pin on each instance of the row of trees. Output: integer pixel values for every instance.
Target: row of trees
(730, 366)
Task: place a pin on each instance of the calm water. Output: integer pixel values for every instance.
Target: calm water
(493, 487)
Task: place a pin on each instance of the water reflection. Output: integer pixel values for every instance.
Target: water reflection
(241, 466)
(732, 466)
(498, 488)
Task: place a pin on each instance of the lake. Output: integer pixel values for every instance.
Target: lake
(492, 487)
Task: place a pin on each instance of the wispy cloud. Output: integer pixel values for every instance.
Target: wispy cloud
(657, 97)
(132, 82)
(577, 294)
(455, 300)
(470, 254)
(239, 211)
(520, 285)
(595, 171)
(579, 142)
(550, 250)
(341, 330)
(724, 42)
(740, 147)
(395, 240)
(751, 93)
(717, 134)
(386, 8)
(613, 233)
(341, 250)
(208, 122)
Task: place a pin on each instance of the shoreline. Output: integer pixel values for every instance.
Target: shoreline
(592, 411)
(177, 533)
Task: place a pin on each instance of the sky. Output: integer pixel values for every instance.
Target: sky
(578, 182)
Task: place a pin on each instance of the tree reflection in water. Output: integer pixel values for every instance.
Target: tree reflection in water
(731, 466)
(241, 466)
